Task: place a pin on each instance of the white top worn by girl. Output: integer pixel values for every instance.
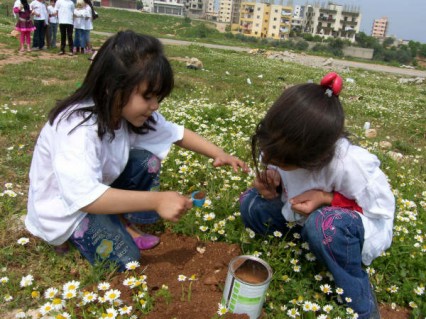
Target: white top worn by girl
(80, 15)
(354, 173)
(70, 171)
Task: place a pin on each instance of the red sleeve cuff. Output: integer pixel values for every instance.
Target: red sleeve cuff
(341, 201)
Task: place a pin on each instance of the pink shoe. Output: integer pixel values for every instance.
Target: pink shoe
(146, 241)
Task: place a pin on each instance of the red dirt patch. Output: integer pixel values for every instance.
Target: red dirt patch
(181, 255)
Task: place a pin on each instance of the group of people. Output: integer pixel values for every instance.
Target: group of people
(43, 20)
(96, 166)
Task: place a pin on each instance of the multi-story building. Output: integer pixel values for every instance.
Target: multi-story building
(332, 20)
(225, 11)
(265, 20)
(297, 19)
(380, 27)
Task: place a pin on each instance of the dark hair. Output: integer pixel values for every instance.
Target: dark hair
(300, 129)
(122, 64)
(90, 4)
(25, 5)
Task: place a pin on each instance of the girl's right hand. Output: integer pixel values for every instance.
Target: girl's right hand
(267, 183)
(172, 206)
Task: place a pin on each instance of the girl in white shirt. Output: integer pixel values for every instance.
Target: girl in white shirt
(315, 177)
(98, 158)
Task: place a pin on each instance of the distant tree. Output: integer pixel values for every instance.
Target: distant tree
(422, 50)
(414, 47)
(388, 42)
(365, 41)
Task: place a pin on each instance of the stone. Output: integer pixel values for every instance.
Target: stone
(370, 133)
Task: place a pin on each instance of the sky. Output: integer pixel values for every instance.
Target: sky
(407, 18)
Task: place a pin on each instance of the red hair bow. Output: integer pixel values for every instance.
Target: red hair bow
(333, 81)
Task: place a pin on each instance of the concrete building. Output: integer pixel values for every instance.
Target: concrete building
(265, 20)
(172, 7)
(332, 20)
(380, 27)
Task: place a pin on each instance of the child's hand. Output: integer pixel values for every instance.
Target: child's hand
(309, 201)
(226, 159)
(172, 206)
(267, 184)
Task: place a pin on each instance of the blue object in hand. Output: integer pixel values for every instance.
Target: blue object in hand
(199, 202)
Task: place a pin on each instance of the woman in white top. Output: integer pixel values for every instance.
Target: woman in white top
(315, 177)
(98, 158)
(90, 17)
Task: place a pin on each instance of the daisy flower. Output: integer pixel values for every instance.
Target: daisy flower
(125, 310)
(58, 303)
(203, 228)
(221, 309)
(339, 291)
(26, 281)
(23, 241)
(4, 280)
(112, 295)
(293, 313)
(111, 313)
(8, 298)
(50, 293)
(181, 278)
(419, 290)
(71, 285)
(103, 286)
(20, 314)
(89, 297)
(132, 265)
(327, 308)
(278, 234)
(64, 315)
(46, 308)
(69, 294)
(326, 289)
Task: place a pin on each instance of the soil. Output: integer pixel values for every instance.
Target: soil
(199, 195)
(181, 255)
(208, 261)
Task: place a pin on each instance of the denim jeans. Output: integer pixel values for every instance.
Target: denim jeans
(102, 237)
(79, 38)
(53, 31)
(335, 236)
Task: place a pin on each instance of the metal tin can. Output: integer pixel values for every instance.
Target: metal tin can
(246, 283)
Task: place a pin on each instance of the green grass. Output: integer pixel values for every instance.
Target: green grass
(218, 103)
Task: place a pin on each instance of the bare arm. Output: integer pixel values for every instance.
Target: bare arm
(309, 201)
(196, 143)
(169, 205)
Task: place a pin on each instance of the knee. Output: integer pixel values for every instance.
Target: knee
(133, 254)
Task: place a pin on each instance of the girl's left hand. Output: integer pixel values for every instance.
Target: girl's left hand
(226, 159)
(309, 201)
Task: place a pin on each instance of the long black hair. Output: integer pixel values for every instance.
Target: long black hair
(25, 5)
(300, 129)
(122, 64)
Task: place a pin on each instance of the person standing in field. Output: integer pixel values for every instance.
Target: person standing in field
(24, 24)
(308, 173)
(80, 15)
(96, 165)
(53, 23)
(41, 21)
(65, 12)
(88, 27)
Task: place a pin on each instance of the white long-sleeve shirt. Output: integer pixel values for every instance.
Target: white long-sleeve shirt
(355, 173)
(70, 171)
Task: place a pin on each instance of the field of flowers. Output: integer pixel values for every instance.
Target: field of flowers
(220, 103)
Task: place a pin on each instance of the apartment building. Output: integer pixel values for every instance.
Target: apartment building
(380, 27)
(332, 20)
(265, 20)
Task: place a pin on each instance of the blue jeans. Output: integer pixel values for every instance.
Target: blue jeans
(104, 238)
(79, 38)
(53, 31)
(335, 236)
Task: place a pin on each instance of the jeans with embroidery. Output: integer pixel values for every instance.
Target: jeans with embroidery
(102, 237)
(335, 236)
